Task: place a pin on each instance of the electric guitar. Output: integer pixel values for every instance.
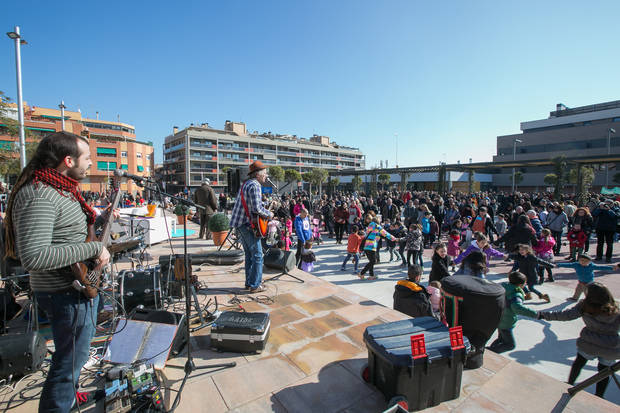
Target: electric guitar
(87, 279)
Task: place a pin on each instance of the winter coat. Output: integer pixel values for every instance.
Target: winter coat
(514, 307)
(557, 222)
(518, 235)
(605, 219)
(302, 229)
(414, 240)
(374, 232)
(576, 239)
(544, 248)
(599, 337)
(390, 213)
(453, 245)
(528, 265)
(412, 299)
(426, 226)
(488, 251)
(537, 225)
(439, 268)
(341, 215)
(586, 222)
(585, 274)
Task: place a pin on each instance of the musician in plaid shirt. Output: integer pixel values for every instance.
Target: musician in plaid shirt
(250, 192)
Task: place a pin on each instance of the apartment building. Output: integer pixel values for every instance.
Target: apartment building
(113, 145)
(199, 152)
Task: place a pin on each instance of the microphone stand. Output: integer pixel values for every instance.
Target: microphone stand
(189, 364)
(284, 271)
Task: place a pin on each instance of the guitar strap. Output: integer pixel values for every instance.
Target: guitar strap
(245, 205)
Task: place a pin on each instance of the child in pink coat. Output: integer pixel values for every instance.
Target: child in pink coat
(453, 245)
(544, 250)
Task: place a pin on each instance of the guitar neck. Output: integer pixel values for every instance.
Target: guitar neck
(105, 234)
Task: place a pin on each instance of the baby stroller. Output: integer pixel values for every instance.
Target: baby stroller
(316, 230)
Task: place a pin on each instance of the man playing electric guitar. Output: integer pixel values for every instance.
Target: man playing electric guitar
(46, 228)
(248, 203)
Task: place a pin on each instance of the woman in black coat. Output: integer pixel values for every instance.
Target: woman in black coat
(441, 262)
(521, 233)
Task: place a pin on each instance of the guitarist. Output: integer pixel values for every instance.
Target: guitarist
(46, 228)
(249, 202)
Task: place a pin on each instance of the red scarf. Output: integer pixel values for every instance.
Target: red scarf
(60, 183)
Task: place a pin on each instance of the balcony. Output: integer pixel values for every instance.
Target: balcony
(174, 148)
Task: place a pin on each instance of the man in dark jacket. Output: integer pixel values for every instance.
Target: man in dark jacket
(410, 297)
(328, 216)
(205, 197)
(390, 211)
(606, 219)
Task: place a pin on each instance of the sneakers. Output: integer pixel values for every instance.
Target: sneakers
(546, 297)
(572, 299)
(258, 289)
(528, 296)
(372, 277)
(361, 276)
(342, 269)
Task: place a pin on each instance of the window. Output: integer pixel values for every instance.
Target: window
(125, 167)
(148, 157)
(123, 154)
(140, 168)
(106, 151)
(139, 155)
(106, 166)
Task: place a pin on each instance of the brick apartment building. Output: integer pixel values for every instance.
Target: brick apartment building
(113, 145)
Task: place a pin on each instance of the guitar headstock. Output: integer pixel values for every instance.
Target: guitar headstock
(115, 183)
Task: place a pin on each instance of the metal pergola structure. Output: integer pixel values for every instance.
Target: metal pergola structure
(481, 167)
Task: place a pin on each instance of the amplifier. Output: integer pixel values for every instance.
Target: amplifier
(21, 354)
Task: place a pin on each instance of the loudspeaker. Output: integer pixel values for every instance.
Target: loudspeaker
(21, 354)
(232, 177)
(280, 260)
(165, 317)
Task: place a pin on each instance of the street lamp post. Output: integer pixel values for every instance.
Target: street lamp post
(514, 158)
(62, 113)
(396, 136)
(609, 132)
(20, 104)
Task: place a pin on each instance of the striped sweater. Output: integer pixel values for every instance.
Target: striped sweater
(50, 230)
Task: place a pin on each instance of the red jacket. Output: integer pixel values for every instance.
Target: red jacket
(576, 239)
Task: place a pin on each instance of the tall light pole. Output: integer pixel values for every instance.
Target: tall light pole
(396, 136)
(609, 132)
(62, 113)
(514, 158)
(20, 104)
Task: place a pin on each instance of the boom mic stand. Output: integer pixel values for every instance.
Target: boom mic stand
(189, 364)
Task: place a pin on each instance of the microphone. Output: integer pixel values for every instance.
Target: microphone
(124, 174)
(272, 184)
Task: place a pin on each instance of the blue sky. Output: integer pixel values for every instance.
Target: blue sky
(447, 77)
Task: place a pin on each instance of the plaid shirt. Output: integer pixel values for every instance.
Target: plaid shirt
(252, 195)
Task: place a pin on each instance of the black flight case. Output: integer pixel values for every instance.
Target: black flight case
(423, 371)
(240, 332)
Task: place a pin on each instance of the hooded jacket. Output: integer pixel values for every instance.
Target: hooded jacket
(412, 299)
(599, 337)
(514, 307)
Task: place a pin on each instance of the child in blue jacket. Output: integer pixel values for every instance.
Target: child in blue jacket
(585, 273)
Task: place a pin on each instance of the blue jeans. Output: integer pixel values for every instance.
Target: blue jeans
(356, 260)
(72, 317)
(505, 341)
(253, 257)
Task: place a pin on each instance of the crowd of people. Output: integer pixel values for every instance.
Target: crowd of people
(469, 231)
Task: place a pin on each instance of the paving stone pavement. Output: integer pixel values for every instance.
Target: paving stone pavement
(548, 347)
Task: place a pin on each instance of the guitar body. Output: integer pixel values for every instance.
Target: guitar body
(84, 272)
(260, 225)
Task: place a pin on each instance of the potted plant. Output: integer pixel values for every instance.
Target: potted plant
(219, 224)
(181, 211)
